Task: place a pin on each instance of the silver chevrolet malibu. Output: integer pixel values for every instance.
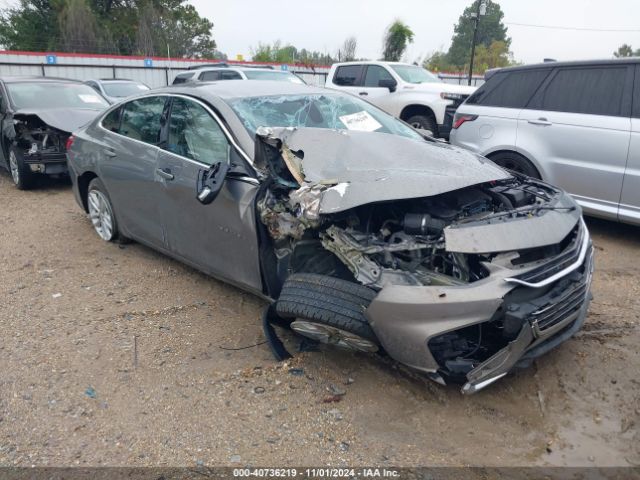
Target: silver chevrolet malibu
(360, 231)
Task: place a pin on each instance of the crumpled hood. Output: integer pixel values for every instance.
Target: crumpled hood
(366, 167)
(65, 119)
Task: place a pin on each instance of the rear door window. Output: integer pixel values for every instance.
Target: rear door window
(589, 90)
(348, 76)
(141, 119)
(112, 120)
(230, 75)
(509, 89)
(210, 76)
(183, 77)
(195, 134)
(375, 73)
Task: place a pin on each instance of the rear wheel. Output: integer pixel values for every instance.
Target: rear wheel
(101, 211)
(22, 176)
(329, 310)
(515, 162)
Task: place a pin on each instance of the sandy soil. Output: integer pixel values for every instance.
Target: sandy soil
(121, 356)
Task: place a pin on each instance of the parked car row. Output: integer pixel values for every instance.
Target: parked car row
(360, 231)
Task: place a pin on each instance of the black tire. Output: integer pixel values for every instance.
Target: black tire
(425, 122)
(97, 187)
(515, 162)
(328, 301)
(22, 176)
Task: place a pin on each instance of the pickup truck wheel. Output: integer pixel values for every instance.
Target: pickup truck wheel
(515, 162)
(424, 122)
(20, 172)
(329, 310)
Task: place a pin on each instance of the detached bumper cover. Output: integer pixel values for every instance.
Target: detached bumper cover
(406, 318)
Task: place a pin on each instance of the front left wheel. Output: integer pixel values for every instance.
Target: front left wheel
(101, 211)
(22, 176)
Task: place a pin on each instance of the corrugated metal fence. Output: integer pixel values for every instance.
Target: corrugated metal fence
(154, 71)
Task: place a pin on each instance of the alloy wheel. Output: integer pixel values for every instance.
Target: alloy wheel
(333, 336)
(101, 214)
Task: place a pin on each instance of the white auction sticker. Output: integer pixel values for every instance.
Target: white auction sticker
(360, 121)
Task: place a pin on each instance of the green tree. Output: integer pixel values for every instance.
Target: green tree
(490, 29)
(277, 53)
(396, 39)
(149, 27)
(624, 50)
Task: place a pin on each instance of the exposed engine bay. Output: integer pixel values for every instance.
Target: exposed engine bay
(40, 142)
(399, 242)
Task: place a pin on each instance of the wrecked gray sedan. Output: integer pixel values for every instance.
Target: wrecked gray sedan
(361, 232)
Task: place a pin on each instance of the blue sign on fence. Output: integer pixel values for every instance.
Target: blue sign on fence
(148, 62)
(284, 67)
(52, 59)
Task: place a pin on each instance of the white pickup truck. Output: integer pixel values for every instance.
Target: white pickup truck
(406, 91)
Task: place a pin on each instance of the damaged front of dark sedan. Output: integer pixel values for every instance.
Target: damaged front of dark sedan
(37, 117)
(359, 231)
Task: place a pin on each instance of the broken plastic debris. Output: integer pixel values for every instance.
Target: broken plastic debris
(56, 295)
(90, 392)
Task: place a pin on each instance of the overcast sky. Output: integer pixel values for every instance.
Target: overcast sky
(324, 24)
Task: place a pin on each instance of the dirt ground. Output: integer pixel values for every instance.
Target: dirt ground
(121, 356)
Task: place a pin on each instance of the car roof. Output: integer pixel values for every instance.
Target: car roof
(231, 68)
(228, 89)
(114, 80)
(374, 62)
(571, 63)
(34, 79)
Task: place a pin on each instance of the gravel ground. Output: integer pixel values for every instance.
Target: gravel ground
(121, 356)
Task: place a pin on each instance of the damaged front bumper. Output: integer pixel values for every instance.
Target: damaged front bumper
(542, 306)
(46, 162)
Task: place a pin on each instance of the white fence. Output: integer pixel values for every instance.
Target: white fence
(155, 72)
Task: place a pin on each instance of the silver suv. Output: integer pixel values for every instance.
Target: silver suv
(573, 124)
(223, 72)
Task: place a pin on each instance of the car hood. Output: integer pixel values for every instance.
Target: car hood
(65, 119)
(353, 168)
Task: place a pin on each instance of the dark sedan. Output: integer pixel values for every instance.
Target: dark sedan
(363, 233)
(37, 115)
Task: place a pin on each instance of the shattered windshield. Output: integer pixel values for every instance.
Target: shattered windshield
(123, 89)
(331, 111)
(55, 95)
(414, 74)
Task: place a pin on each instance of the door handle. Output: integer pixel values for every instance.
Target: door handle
(540, 121)
(364, 93)
(110, 153)
(165, 173)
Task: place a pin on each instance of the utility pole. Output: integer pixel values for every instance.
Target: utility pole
(482, 10)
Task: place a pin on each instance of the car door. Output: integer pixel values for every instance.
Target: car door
(349, 78)
(629, 210)
(219, 238)
(371, 89)
(128, 166)
(577, 128)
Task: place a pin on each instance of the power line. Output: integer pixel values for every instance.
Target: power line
(581, 29)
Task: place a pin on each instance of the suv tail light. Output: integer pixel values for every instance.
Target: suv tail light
(70, 141)
(461, 118)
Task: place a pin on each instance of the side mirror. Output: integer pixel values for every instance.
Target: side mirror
(388, 83)
(210, 182)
